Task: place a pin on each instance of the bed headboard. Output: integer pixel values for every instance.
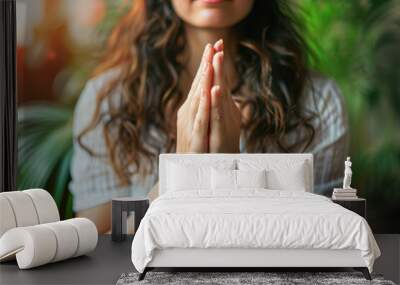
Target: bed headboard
(207, 158)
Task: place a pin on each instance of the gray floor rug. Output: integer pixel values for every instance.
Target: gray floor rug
(232, 278)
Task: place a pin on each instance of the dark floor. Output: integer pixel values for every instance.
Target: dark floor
(389, 262)
(102, 266)
(110, 260)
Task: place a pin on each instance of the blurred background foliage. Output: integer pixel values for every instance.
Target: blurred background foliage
(358, 44)
(64, 64)
(355, 42)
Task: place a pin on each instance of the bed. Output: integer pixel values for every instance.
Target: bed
(247, 211)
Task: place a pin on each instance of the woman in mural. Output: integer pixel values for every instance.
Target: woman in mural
(200, 76)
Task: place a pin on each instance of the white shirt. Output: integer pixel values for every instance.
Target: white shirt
(94, 181)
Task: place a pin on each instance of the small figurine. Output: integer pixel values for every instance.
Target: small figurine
(347, 174)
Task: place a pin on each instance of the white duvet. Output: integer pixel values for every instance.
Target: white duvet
(253, 218)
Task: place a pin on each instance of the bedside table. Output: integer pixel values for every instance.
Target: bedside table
(357, 205)
(121, 207)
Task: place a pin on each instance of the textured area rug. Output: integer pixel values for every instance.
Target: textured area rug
(231, 278)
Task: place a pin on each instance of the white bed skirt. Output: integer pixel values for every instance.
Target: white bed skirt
(194, 257)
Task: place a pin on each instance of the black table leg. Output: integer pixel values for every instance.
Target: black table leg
(116, 224)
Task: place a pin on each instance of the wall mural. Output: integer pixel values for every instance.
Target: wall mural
(357, 43)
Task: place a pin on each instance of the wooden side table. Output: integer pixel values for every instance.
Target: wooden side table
(121, 207)
(357, 205)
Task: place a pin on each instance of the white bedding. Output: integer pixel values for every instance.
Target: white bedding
(251, 218)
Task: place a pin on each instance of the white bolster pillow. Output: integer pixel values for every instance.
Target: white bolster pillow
(40, 244)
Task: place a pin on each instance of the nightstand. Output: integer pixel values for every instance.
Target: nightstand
(121, 207)
(357, 205)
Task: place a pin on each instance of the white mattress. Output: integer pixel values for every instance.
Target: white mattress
(250, 219)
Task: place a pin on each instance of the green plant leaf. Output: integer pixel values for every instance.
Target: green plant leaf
(63, 177)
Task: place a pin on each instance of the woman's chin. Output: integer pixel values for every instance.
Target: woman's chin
(213, 20)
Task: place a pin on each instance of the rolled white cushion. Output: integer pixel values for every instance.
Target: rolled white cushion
(67, 240)
(87, 235)
(45, 205)
(45, 243)
(26, 208)
(7, 218)
(23, 208)
(33, 246)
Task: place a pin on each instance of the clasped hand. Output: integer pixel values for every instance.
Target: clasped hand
(209, 120)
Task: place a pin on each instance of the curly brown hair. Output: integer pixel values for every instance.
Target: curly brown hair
(145, 47)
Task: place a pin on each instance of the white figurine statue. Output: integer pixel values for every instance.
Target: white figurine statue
(347, 174)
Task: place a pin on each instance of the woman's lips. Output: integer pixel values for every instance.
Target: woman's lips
(212, 1)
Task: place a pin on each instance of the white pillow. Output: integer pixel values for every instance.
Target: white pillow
(251, 178)
(281, 174)
(182, 177)
(293, 179)
(236, 179)
(193, 175)
(223, 179)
